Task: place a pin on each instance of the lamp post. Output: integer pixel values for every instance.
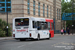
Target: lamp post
(7, 15)
(72, 15)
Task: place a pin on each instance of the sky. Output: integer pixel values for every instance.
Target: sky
(67, 0)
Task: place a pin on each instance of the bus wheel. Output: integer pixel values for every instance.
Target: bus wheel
(22, 39)
(38, 37)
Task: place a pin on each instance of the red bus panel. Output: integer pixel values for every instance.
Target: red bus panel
(51, 31)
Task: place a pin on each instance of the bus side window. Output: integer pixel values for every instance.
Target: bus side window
(34, 24)
(38, 25)
(48, 25)
(52, 26)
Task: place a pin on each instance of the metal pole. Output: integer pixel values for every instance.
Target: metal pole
(7, 15)
(72, 15)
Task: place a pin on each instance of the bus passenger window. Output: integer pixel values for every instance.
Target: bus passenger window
(48, 25)
(38, 25)
(52, 26)
(34, 24)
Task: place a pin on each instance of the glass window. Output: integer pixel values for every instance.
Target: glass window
(2, 4)
(57, 13)
(39, 8)
(2, 10)
(52, 26)
(34, 24)
(33, 7)
(47, 11)
(22, 22)
(49, 25)
(28, 6)
(43, 10)
(9, 4)
(42, 26)
(9, 9)
(50, 11)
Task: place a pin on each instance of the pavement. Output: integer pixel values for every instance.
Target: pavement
(5, 38)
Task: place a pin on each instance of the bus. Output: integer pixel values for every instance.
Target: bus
(32, 28)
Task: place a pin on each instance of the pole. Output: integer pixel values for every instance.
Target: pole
(7, 16)
(72, 15)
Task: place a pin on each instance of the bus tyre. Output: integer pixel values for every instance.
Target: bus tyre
(38, 38)
(22, 39)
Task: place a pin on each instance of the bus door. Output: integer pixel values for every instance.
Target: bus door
(52, 29)
(21, 27)
(34, 30)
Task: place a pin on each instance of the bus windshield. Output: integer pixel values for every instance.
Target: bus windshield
(22, 22)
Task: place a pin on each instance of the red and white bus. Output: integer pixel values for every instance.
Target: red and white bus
(32, 28)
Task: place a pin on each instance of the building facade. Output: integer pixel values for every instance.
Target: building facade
(32, 8)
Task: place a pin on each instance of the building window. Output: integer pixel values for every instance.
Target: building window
(28, 6)
(43, 10)
(39, 8)
(50, 11)
(57, 13)
(4, 4)
(47, 11)
(33, 7)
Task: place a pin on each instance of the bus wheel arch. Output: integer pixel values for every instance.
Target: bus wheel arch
(38, 36)
(49, 36)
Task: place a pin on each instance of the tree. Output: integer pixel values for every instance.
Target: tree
(67, 8)
(3, 29)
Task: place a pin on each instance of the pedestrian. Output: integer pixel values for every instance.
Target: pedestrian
(61, 31)
(64, 31)
(68, 30)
